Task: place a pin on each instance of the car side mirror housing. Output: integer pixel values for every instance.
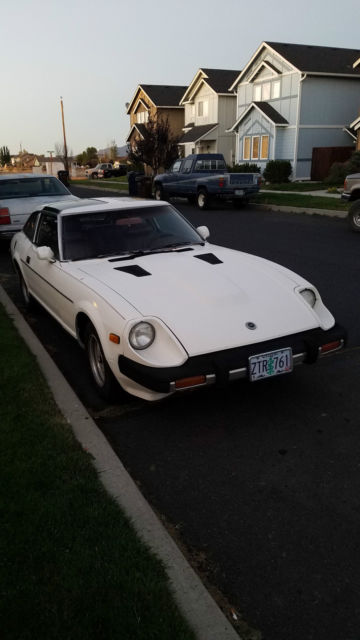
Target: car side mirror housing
(45, 253)
(203, 232)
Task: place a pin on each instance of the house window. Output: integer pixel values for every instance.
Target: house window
(255, 147)
(265, 94)
(246, 151)
(276, 89)
(264, 150)
(257, 92)
(202, 108)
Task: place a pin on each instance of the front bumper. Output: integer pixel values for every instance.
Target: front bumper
(221, 367)
(346, 196)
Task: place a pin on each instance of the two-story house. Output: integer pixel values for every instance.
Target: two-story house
(155, 101)
(292, 98)
(210, 109)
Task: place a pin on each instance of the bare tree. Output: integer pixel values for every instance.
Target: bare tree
(156, 146)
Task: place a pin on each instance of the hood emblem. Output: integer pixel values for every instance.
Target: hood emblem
(250, 325)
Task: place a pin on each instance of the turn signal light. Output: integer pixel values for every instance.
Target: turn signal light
(189, 382)
(114, 338)
(330, 346)
(5, 216)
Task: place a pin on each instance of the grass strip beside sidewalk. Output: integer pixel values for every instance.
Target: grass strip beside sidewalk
(299, 200)
(71, 565)
(119, 184)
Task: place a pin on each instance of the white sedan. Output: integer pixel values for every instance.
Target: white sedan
(159, 309)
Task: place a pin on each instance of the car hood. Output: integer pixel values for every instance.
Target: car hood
(207, 295)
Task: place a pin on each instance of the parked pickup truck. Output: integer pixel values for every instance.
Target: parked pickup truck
(351, 187)
(204, 177)
(105, 170)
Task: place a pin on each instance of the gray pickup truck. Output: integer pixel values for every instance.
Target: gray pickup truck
(351, 187)
(352, 193)
(203, 178)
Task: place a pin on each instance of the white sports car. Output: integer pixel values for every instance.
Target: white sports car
(157, 307)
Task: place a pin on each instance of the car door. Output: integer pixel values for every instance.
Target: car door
(48, 281)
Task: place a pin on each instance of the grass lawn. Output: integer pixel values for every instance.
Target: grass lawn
(120, 183)
(71, 565)
(295, 186)
(296, 200)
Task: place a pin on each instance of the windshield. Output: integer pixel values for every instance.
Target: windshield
(31, 187)
(125, 232)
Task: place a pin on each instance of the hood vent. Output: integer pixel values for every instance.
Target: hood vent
(134, 270)
(209, 257)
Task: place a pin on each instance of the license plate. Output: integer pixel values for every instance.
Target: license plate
(273, 363)
(239, 192)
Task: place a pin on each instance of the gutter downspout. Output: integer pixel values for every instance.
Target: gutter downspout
(302, 78)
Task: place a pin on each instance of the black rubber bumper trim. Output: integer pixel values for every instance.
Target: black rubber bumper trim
(221, 362)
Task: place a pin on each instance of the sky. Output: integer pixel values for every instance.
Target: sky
(94, 53)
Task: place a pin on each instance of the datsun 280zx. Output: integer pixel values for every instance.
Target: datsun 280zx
(157, 307)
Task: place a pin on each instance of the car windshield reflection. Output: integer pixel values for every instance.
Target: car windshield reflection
(126, 231)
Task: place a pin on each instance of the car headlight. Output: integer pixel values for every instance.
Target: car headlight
(142, 335)
(310, 296)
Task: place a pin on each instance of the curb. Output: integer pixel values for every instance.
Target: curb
(198, 607)
(331, 213)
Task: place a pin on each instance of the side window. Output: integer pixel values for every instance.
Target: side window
(176, 167)
(187, 165)
(30, 225)
(47, 233)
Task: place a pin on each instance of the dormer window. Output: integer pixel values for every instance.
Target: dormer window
(266, 90)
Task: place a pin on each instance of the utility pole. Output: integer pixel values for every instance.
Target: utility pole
(66, 163)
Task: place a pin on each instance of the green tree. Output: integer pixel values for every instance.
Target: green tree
(156, 147)
(88, 156)
(4, 155)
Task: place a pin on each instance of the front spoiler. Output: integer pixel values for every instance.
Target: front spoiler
(220, 367)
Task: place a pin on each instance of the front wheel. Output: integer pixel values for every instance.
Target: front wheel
(202, 199)
(27, 298)
(354, 216)
(94, 176)
(99, 368)
(159, 193)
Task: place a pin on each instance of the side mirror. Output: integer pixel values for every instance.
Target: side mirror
(45, 253)
(203, 232)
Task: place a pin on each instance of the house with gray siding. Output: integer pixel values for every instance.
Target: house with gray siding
(210, 110)
(292, 98)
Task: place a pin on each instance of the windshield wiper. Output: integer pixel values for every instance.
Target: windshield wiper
(167, 248)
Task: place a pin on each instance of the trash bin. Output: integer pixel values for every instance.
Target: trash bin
(63, 177)
(143, 186)
(132, 175)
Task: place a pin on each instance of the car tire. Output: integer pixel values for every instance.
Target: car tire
(26, 296)
(354, 216)
(100, 371)
(159, 193)
(94, 176)
(202, 199)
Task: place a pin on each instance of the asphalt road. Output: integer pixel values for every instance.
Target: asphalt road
(259, 482)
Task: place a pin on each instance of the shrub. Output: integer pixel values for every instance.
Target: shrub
(246, 167)
(339, 170)
(277, 171)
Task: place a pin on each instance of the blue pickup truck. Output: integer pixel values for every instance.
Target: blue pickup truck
(203, 178)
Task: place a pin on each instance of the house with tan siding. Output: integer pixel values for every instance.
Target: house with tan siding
(210, 109)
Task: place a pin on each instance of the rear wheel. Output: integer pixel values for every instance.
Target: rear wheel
(99, 368)
(354, 216)
(202, 199)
